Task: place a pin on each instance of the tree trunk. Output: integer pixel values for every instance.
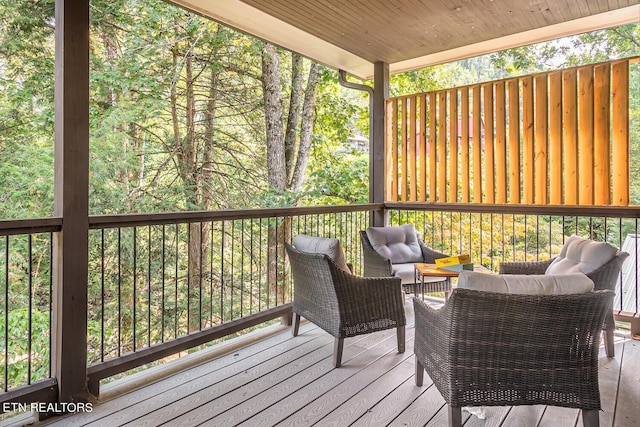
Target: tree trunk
(293, 119)
(277, 177)
(306, 132)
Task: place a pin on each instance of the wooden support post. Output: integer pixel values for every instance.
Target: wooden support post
(376, 144)
(70, 246)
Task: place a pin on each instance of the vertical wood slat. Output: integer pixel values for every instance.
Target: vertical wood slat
(464, 144)
(488, 143)
(541, 140)
(442, 149)
(527, 140)
(390, 158)
(543, 157)
(432, 148)
(501, 144)
(585, 135)
(570, 137)
(477, 146)
(403, 151)
(555, 138)
(411, 150)
(601, 134)
(620, 136)
(453, 144)
(514, 141)
(394, 150)
(423, 148)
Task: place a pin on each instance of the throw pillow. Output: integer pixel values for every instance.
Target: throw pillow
(321, 245)
(579, 255)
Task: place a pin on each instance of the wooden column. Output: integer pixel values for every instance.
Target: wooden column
(70, 246)
(376, 144)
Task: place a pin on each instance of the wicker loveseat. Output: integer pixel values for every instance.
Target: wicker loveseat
(393, 251)
(497, 349)
(600, 261)
(342, 304)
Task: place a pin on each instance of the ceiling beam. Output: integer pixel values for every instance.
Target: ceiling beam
(247, 19)
(551, 32)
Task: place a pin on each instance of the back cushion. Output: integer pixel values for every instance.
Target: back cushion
(561, 284)
(580, 255)
(399, 243)
(321, 245)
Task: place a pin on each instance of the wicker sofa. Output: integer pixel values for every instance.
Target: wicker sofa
(604, 269)
(493, 349)
(393, 251)
(342, 304)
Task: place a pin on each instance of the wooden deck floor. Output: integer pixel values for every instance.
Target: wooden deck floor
(281, 380)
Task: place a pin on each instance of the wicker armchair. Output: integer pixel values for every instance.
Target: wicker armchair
(342, 304)
(376, 265)
(489, 349)
(604, 277)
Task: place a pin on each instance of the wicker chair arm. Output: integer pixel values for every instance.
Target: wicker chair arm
(375, 265)
(361, 299)
(606, 276)
(500, 344)
(429, 255)
(530, 267)
(434, 324)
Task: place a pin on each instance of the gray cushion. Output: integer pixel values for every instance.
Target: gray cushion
(542, 284)
(407, 273)
(321, 245)
(399, 243)
(580, 255)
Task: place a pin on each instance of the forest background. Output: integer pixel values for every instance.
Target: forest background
(187, 114)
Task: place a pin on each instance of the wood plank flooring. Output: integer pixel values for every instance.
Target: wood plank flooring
(287, 381)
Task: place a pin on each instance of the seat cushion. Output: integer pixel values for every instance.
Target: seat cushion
(580, 255)
(398, 243)
(532, 284)
(321, 245)
(406, 272)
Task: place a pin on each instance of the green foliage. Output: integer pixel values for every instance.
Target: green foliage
(343, 179)
(28, 351)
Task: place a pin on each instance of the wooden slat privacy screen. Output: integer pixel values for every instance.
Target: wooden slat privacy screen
(548, 138)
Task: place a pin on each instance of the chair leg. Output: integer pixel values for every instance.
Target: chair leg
(455, 416)
(338, 344)
(590, 418)
(609, 327)
(400, 334)
(295, 324)
(609, 346)
(419, 372)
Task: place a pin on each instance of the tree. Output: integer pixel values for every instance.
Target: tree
(286, 159)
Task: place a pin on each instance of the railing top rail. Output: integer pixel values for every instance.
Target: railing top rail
(554, 210)
(53, 224)
(112, 221)
(10, 227)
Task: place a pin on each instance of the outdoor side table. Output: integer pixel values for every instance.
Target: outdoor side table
(423, 270)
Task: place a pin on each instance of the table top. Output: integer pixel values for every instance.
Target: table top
(433, 270)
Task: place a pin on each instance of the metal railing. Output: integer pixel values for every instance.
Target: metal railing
(160, 284)
(492, 234)
(25, 302)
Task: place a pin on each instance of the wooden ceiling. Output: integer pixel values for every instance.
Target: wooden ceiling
(407, 34)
